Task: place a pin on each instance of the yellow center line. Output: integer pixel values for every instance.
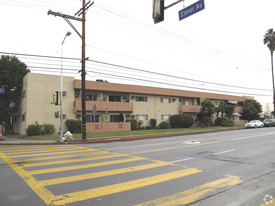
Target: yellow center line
(112, 189)
(196, 145)
(101, 174)
(75, 167)
(195, 193)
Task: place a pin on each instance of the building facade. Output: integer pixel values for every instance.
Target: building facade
(115, 103)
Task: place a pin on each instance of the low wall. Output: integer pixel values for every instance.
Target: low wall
(108, 126)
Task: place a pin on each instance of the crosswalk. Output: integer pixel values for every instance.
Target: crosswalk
(68, 174)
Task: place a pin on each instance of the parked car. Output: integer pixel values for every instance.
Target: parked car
(269, 122)
(254, 124)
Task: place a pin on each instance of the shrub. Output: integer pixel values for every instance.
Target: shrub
(224, 122)
(48, 128)
(34, 129)
(153, 123)
(164, 125)
(188, 120)
(134, 124)
(227, 122)
(176, 121)
(74, 126)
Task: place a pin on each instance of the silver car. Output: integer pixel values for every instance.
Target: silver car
(254, 124)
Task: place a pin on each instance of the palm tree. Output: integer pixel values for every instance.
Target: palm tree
(269, 40)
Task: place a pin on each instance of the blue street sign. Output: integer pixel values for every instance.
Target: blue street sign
(2, 90)
(192, 9)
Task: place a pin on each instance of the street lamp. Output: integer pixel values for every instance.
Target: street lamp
(61, 89)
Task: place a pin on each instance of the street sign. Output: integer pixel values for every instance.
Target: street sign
(192, 9)
(2, 90)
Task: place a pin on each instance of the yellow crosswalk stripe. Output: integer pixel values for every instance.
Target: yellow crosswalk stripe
(59, 157)
(102, 174)
(111, 189)
(51, 153)
(35, 147)
(36, 151)
(194, 194)
(70, 161)
(75, 167)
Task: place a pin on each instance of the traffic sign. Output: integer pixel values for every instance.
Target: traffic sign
(2, 90)
(192, 9)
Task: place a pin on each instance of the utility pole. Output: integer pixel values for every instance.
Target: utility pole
(83, 58)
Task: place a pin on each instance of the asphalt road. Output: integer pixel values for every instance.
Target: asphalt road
(221, 168)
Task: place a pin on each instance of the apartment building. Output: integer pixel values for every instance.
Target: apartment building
(115, 103)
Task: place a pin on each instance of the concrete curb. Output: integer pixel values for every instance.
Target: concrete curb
(54, 142)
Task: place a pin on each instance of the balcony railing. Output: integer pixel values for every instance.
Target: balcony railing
(103, 106)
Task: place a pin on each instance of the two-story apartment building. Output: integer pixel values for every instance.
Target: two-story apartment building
(112, 101)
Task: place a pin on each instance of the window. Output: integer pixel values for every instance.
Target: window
(165, 117)
(114, 118)
(185, 102)
(142, 117)
(114, 98)
(91, 97)
(165, 100)
(90, 118)
(141, 99)
(23, 117)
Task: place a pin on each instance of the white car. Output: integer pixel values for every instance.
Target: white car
(254, 124)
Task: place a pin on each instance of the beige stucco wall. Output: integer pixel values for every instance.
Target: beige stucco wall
(154, 108)
(37, 103)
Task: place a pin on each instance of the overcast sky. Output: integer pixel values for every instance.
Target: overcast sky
(218, 46)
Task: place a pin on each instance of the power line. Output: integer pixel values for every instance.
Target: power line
(143, 71)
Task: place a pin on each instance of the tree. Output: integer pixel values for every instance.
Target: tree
(252, 109)
(205, 115)
(12, 71)
(229, 110)
(269, 40)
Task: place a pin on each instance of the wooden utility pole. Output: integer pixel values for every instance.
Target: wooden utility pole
(83, 58)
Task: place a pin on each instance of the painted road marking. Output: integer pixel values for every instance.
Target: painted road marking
(76, 167)
(186, 159)
(101, 174)
(196, 145)
(25, 169)
(232, 150)
(195, 193)
(111, 189)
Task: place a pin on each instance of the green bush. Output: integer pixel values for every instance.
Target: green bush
(164, 125)
(153, 123)
(176, 121)
(34, 129)
(188, 120)
(74, 126)
(224, 122)
(134, 124)
(227, 122)
(48, 129)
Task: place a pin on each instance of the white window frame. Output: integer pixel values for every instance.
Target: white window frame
(165, 100)
(142, 117)
(165, 117)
